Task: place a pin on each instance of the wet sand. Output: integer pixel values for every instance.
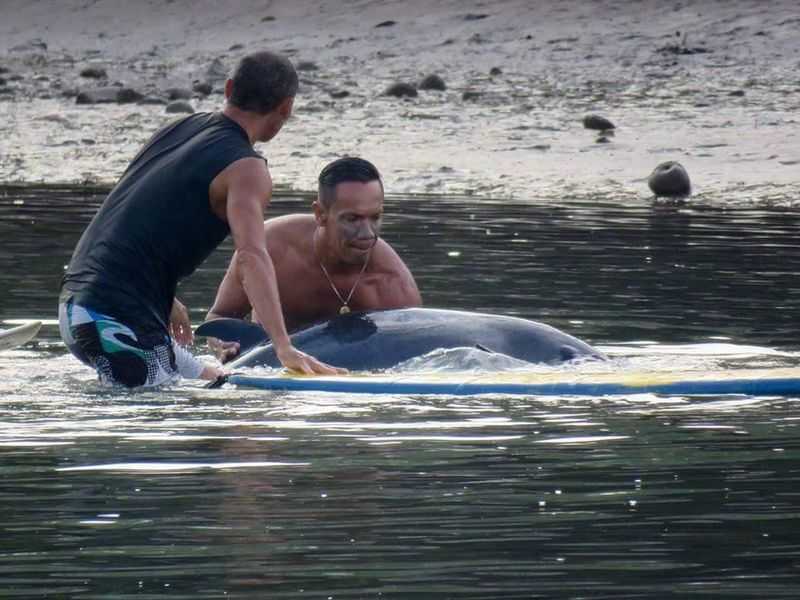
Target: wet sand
(710, 84)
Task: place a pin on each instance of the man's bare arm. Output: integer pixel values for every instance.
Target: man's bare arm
(249, 189)
(231, 300)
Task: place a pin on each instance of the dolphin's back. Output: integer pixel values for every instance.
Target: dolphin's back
(382, 339)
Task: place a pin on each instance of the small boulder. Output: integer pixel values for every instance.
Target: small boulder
(35, 45)
(471, 95)
(670, 179)
(108, 95)
(178, 94)
(98, 96)
(215, 72)
(128, 96)
(153, 100)
(433, 82)
(401, 90)
(386, 24)
(306, 65)
(597, 123)
(202, 87)
(179, 106)
(94, 73)
(495, 71)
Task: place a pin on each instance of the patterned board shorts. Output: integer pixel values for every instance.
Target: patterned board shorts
(118, 354)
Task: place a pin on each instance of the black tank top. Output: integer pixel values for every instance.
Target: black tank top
(156, 225)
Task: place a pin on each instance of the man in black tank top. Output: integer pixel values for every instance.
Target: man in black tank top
(195, 181)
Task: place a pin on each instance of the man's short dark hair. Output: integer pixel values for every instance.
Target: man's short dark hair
(348, 168)
(261, 81)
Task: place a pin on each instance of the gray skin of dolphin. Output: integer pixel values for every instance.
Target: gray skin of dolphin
(382, 339)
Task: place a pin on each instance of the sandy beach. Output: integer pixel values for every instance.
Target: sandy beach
(710, 84)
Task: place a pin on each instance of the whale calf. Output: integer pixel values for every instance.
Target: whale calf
(378, 340)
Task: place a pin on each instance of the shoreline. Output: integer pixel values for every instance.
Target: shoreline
(720, 97)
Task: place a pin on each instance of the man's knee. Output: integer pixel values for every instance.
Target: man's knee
(122, 368)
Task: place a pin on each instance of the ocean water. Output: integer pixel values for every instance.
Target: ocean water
(192, 493)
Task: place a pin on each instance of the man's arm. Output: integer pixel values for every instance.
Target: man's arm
(231, 300)
(249, 189)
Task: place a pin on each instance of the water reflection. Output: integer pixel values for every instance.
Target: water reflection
(605, 271)
(195, 493)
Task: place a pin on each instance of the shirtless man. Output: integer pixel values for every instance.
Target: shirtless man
(195, 181)
(330, 262)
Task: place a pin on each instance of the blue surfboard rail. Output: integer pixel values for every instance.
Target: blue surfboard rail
(778, 386)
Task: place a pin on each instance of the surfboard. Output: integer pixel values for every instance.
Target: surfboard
(752, 382)
(17, 336)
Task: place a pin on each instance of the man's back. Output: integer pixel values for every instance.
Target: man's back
(156, 226)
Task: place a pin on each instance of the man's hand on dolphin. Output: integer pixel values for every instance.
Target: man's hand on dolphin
(296, 360)
(224, 351)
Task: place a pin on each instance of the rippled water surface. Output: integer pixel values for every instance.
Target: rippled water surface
(194, 493)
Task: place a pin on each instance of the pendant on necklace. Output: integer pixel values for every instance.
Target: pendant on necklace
(344, 310)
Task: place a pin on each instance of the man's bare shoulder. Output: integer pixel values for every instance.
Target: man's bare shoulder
(386, 260)
(290, 223)
(249, 171)
(393, 284)
(288, 231)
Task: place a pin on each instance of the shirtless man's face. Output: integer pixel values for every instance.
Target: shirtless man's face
(352, 224)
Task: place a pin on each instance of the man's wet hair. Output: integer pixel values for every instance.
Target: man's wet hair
(261, 81)
(347, 168)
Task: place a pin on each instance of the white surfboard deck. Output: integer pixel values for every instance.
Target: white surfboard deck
(17, 336)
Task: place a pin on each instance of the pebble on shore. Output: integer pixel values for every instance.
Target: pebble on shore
(401, 90)
(597, 123)
(433, 82)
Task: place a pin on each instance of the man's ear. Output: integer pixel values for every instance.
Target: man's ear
(285, 107)
(228, 88)
(320, 214)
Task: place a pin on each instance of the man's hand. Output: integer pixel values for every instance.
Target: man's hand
(248, 190)
(212, 373)
(180, 327)
(224, 351)
(295, 360)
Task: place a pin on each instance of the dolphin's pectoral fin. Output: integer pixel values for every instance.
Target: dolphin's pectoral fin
(247, 333)
(484, 348)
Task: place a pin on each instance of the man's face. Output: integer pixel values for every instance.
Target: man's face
(353, 222)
